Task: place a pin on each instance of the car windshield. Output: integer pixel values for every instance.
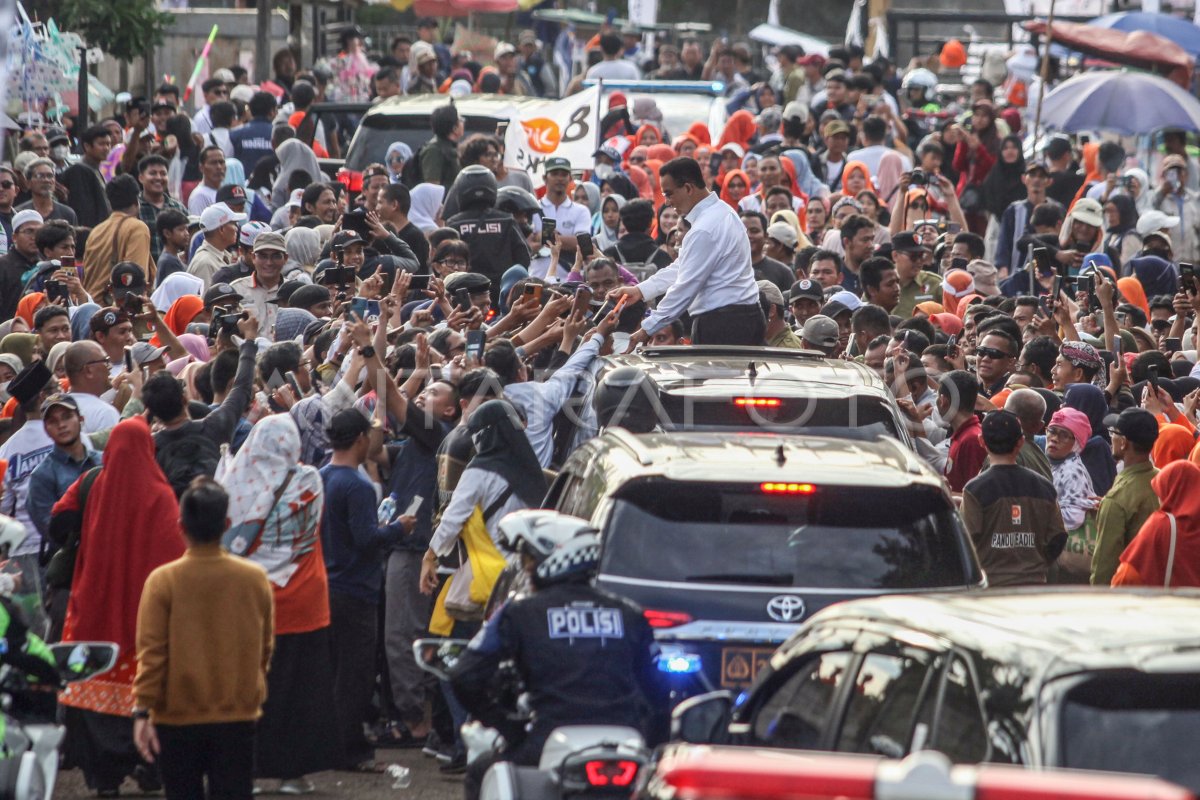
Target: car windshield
(1134, 722)
(378, 131)
(837, 537)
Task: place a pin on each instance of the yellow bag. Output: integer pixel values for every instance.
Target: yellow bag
(466, 593)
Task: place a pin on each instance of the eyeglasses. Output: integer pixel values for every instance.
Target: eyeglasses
(1160, 324)
(1055, 432)
(992, 353)
(105, 360)
(453, 262)
(6, 184)
(42, 176)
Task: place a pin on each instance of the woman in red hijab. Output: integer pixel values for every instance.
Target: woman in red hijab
(129, 527)
(739, 129)
(699, 132)
(28, 305)
(181, 314)
(1145, 561)
(734, 187)
(647, 135)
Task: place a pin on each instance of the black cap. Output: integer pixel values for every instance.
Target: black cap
(1000, 428)
(218, 292)
(907, 242)
(806, 288)
(127, 276)
(59, 399)
(308, 296)
(287, 289)
(345, 239)
(29, 382)
(1137, 425)
(231, 193)
(347, 425)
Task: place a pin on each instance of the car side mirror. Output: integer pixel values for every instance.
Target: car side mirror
(438, 656)
(703, 719)
(78, 661)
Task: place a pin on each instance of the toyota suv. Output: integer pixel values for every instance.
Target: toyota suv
(1043, 678)
(717, 387)
(729, 541)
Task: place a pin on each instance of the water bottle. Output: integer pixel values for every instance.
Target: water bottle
(387, 509)
(401, 776)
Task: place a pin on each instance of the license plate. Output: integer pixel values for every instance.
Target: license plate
(740, 665)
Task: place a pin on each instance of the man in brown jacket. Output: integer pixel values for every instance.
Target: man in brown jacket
(205, 632)
(121, 237)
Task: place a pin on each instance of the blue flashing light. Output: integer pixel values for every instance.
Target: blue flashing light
(679, 663)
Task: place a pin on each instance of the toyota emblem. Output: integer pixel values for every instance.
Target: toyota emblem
(786, 608)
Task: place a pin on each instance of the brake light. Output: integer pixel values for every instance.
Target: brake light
(666, 619)
(757, 402)
(611, 773)
(787, 488)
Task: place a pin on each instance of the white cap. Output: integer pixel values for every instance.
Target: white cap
(1151, 221)
(296, 199)
(503, 49)
(25, 217)
(219, 214)
(783, 233)
(224, 75)
(242, 92)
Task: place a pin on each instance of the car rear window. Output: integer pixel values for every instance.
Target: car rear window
(378, 131)
(1134, 722)
(837, 537)
(858, 411)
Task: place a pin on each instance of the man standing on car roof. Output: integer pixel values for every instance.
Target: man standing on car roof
(712, 279)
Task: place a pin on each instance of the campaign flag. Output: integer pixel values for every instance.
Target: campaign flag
(564, 128)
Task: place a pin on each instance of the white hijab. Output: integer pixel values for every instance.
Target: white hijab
(175, 286)
(426, 200)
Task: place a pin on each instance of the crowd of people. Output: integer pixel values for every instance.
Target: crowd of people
(368, 380)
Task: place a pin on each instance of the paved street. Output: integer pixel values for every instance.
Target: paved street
(427, 782)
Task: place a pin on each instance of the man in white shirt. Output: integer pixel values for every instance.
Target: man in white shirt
(87, 368)
(712, 279)
(570, 218)
(214, 90)
(212, 170)
(26, 449)
(613, 67)
(873, 137)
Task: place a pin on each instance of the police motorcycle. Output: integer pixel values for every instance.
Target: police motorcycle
(576, 760)
(31, 675)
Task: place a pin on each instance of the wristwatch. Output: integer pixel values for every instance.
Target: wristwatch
(367, 352)
(141, 713)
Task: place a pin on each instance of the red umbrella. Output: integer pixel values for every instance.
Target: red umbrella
(460, 8)
(1140, 49)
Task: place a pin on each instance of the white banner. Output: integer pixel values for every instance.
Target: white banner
(565, 129)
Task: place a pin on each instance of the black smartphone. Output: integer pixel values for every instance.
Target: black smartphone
(952, 344)
(501, 130)
(290, 377)
(132, 303)
(476, 340)
(549, 227)
(462, 299)
(583, 301)
(1116, 346)
(419, 282)
(1152, 373)
(1045, 309)
(356, 220)
(129, 359)
(586, 249)
(1041, 257)
(1109, 357)
(1173, 344)
(1187, 276)
(56, 291)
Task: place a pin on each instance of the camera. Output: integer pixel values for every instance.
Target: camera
(225, 319)
(56, 292)
(918, 177)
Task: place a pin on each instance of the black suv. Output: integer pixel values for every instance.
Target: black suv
(714, 387)
(729, 540)
(1088, 679)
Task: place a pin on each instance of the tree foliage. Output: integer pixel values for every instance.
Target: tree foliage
(124, 29)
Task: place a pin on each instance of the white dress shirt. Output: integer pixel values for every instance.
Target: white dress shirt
(541, 401)
(713, 269)
(571, 219)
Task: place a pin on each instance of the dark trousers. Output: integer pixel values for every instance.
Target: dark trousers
(222, 752)
(732, 325)
(353, 629)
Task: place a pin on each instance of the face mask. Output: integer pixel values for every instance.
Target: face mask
(603, 171)
(60, 152)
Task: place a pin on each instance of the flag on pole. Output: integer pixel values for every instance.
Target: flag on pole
(564, 128)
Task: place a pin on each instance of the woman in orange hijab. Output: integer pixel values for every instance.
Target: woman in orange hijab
(1145, 560)
(957, 286)
(647, 135)
(181, 314)
(739, 129)
(660, 152)
(699, 132)
(1131, 289)
(29, 305)
(1174, 443)
(653, 165)
(855, 178)
(684, 145)
(735, 186)
(1091, 166)
(641, 182)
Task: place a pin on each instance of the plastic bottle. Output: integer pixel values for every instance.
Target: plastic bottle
(401, 776)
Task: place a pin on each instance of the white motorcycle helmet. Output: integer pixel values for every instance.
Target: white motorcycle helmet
(538, 532)
(920, 78)
(12, 533)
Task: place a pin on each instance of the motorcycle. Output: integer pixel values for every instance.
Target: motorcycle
(29, 732)
(576, 761)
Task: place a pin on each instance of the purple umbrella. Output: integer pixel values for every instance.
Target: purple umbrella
(1124, 102)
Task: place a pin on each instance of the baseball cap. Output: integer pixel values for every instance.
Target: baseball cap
(346, 238)
(796, 110)
(811, 58)
(1001, 427)
(527, 37)
(224, 75)
(783, 233)
(503, 49)
(59, 399)
(1088, 211)
(219, 214)
(24, 218)
(308, 296)
(821, 331)
(834, 127)
(423, 52)
(1151, 221)
(57, 136)
(771, 293)
(806, 288)
(557, 163)
(735, 148)
(907, 242)
(1137, 425)
(128, 276)
(160, 105)
(144, 353)
(231, 193)
(271, 240)
(296, 199)
(251, 230)
(105, 320)
(1036, 166)
(218, 292)
(193, 223)
(346, 425)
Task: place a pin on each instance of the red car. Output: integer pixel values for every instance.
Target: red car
(703, 772)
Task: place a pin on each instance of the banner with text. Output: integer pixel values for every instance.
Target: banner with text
(565, 129)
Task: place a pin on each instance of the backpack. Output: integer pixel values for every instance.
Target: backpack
(60, 569)
(411, 173)
(640, 269)
(186, 458)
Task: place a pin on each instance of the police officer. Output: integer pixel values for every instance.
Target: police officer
(584, 656)
(495, 240)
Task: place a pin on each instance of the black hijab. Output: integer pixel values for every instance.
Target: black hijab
(1128, 213)
(1003, 184)
(502, 447)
